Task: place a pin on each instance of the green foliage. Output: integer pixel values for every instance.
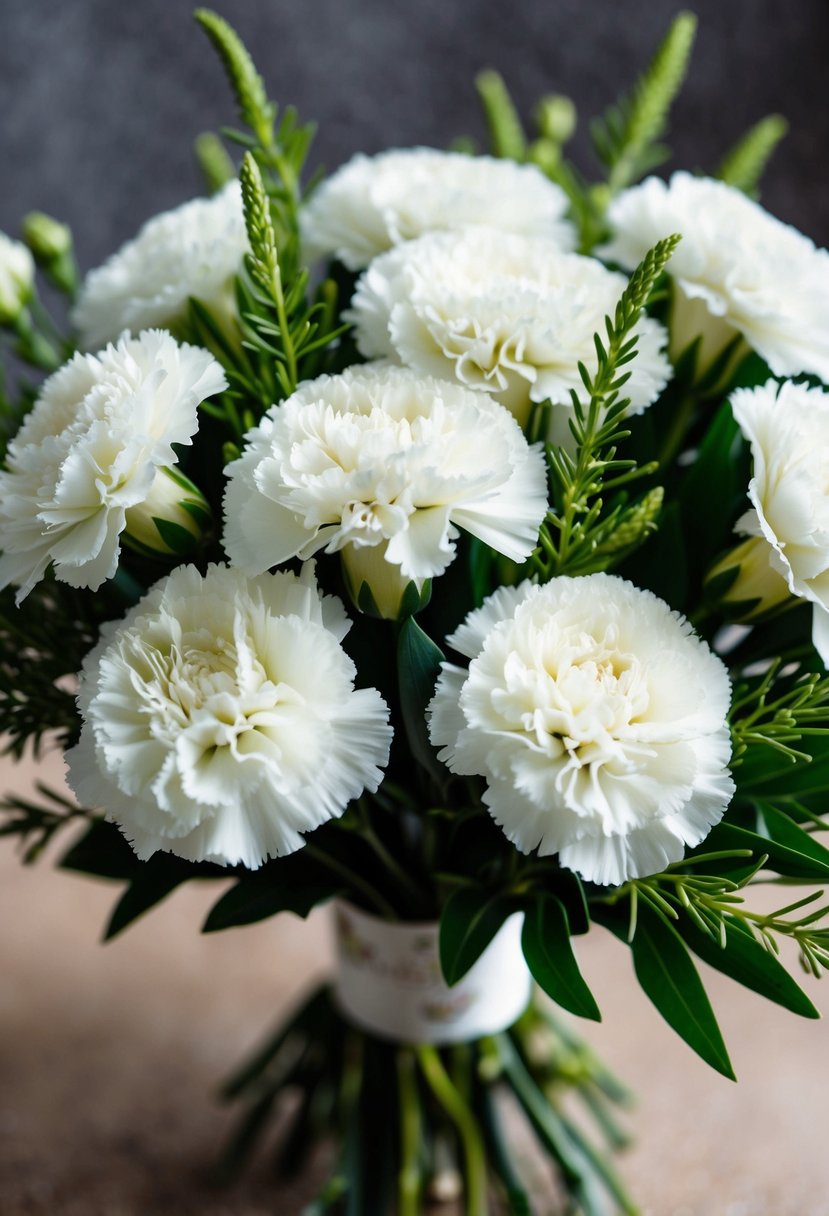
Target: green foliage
(506, 134)
(36, 824)
(776, 711)
(469, 921)
(546, 943)
(418, 667)
(577, 534)
(668, 977)
(744, 165)
(151, 882)
(297, 883)
(626, 138)
(254, 107)
(42, 647)
(213, 160)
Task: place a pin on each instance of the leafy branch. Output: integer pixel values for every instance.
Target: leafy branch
(626, 137)
(762, 716)
(36, 824)
(576, 536)
(713, 903)
(744, 165)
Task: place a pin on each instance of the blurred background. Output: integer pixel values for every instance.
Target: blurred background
(109, 1056)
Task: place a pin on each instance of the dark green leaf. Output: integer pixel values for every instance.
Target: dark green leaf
(468, 923)
(786, 832)
(103, 851)
(789, 862)
(152, 882)
(748, 962)
(296, 883)
(670, 980)
(418, 666)
(549, 954)
(177, 539)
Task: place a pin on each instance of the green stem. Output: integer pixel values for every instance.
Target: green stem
(447, 1095)
(407, 883)
(409, 1178)
(356, 881)
(282, 315)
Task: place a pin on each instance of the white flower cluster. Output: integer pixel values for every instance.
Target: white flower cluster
(90, 449)
(752, 274)
(374, 203)
(512, 315)
(787, 427)
(221, 720)
(598, 720)
(193, 250)
(379, 458)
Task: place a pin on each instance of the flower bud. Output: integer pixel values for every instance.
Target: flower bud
(708, 344)
(47, 238)
(744, 582)
(556, 118)
(172, 520)
(378, 587)
(17, 272)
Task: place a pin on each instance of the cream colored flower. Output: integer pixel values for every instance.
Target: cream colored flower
(221, 721)
(193, 250)
(98, 436)
(598, 720)
(738, 270)
(787, 427)
(17, 272)
(383, 466)
(510, 315)
(374, 203)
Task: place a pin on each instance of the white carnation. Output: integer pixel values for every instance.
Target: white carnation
(221, 720)
(17, 272)
(193, 250)
(374, 203)
(598, 719)
(753, 274)
(787, 427)
(381, 460)
(512, 315)
(90, 449)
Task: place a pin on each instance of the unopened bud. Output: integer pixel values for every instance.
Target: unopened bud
(173, 519)
(378, 587)
(17, 273)
(47, 238)
(745, 583)
(556, 118)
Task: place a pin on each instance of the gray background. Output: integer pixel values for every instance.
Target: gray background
(102, 98)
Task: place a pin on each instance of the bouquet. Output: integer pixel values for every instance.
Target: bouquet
(443, 538)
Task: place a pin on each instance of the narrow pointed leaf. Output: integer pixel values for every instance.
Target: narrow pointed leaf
(670, 980)
(469, 921)
(546, 943)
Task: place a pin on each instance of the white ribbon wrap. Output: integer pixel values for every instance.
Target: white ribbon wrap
(389, 980)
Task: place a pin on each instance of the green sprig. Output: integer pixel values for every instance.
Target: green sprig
(626, 137)
(744, 165)
(763, 716)
(577, 536)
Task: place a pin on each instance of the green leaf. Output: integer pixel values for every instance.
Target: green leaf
(546, 943)
(418, 667)
(786, 832)
(748, 962)
(245, 81)
(102, 851)
(295, 883)
(784, 859)
(468, 923)
(626, 137)
(506, 135)
(153, 881)
(743, 166)
(670, 980)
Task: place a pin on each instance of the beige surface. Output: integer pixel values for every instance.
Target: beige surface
(109, 1056)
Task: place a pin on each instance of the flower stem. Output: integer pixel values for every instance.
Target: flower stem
(456, 1108)
(409, 1178)
(355, 881)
